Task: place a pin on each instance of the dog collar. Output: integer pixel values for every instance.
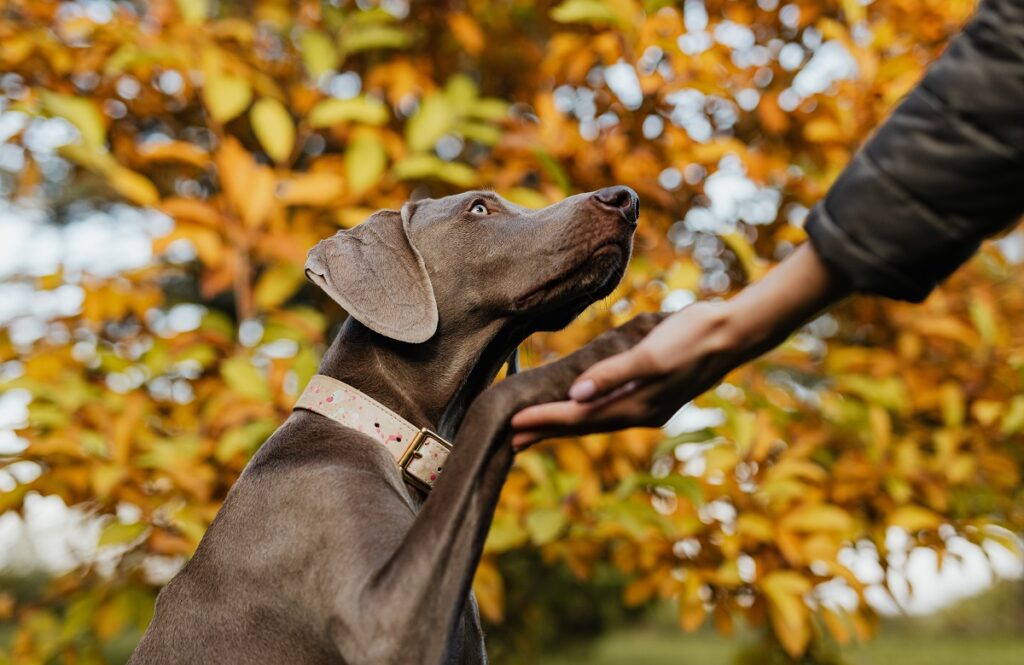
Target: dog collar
(419, 452)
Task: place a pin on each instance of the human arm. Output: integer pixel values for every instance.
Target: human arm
(687, 353)
(944, 172)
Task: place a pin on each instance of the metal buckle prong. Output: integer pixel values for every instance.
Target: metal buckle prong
(412, 452)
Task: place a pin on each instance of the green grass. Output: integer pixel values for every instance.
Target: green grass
(654, 646)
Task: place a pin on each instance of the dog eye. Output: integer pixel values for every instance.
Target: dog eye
(479, 209)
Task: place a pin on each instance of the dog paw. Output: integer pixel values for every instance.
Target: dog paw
(551, 382)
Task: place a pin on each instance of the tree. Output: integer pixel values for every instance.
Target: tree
(259, 128)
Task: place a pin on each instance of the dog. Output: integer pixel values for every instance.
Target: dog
(328, 551)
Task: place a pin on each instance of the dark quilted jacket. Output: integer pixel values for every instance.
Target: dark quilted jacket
(942, 173)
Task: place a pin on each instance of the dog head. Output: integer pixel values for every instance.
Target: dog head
(475, 258)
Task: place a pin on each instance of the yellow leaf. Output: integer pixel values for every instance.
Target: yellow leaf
(194, 12)
(953, 408)
(787, 610)
(467, 32)
(432, 120)
(175, 151)
(822, 130)
(249, 186)
(1014, 418)
(840, 631)
(318, 53)
(914, 518)
(194, 210)
(490, 591)
(81, 112)
(273, 127)
(242, 377)
(754, 526)
(277, 284)
(135, 187)
(226, 95)
(365, 161)
(692, 611)
(318, 188)
(818, 517)
(751, 263)
(366, 110)
(683, 275)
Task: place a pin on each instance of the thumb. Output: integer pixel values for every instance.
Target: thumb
(611, 373)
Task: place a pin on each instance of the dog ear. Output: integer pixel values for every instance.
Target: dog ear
(375, 273)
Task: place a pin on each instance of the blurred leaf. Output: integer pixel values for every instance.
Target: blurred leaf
(119, 533)
(226, 96)
(417, 167)
(193, 11)
(244, 379)
(318, 53)
(81, 112)
(545, 524)
(365, 161)
(366, 110)
(277, 284)
(584, 11)
(273, 126)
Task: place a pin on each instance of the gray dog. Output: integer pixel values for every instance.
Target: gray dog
(326, 550)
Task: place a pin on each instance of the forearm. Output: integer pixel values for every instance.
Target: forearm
(766, 312)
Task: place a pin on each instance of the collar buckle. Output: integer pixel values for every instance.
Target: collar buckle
(412, 453)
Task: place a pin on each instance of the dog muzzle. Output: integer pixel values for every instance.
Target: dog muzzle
(419, 452)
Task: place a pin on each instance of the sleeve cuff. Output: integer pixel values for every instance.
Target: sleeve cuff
(863, 270)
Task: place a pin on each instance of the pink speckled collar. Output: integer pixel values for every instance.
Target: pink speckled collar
(420, 453)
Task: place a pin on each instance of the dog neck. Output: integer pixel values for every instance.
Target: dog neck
(429, 384)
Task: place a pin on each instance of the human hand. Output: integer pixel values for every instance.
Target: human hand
(644, 386)
(686, 354)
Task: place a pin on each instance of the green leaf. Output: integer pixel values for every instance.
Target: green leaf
(365, 161)
(505, 534)
(245, 379)
(545, 524)
(685, 486)
(479, 132)
(367, 110)
(584, 11)
(432, 120)
(554, 170)
(273, 127)
(245, 439)
(984, 319)
(318, 53)
(488, 108)
(418, 167)
(372, 37)
(119, 533)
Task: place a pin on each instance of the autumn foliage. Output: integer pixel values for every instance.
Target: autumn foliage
(261, 127)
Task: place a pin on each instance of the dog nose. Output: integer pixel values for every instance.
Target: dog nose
(620, 198)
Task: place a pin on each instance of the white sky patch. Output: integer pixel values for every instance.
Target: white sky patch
(623, 81)
(831, 62)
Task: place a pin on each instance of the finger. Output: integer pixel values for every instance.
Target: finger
(607, 375)
(523, 440)
(549, 416)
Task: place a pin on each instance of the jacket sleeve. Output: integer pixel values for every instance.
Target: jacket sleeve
(942, 173)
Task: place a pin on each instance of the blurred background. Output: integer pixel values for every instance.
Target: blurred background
(853, 497)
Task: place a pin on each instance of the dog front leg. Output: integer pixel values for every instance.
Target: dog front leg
(426, 580)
